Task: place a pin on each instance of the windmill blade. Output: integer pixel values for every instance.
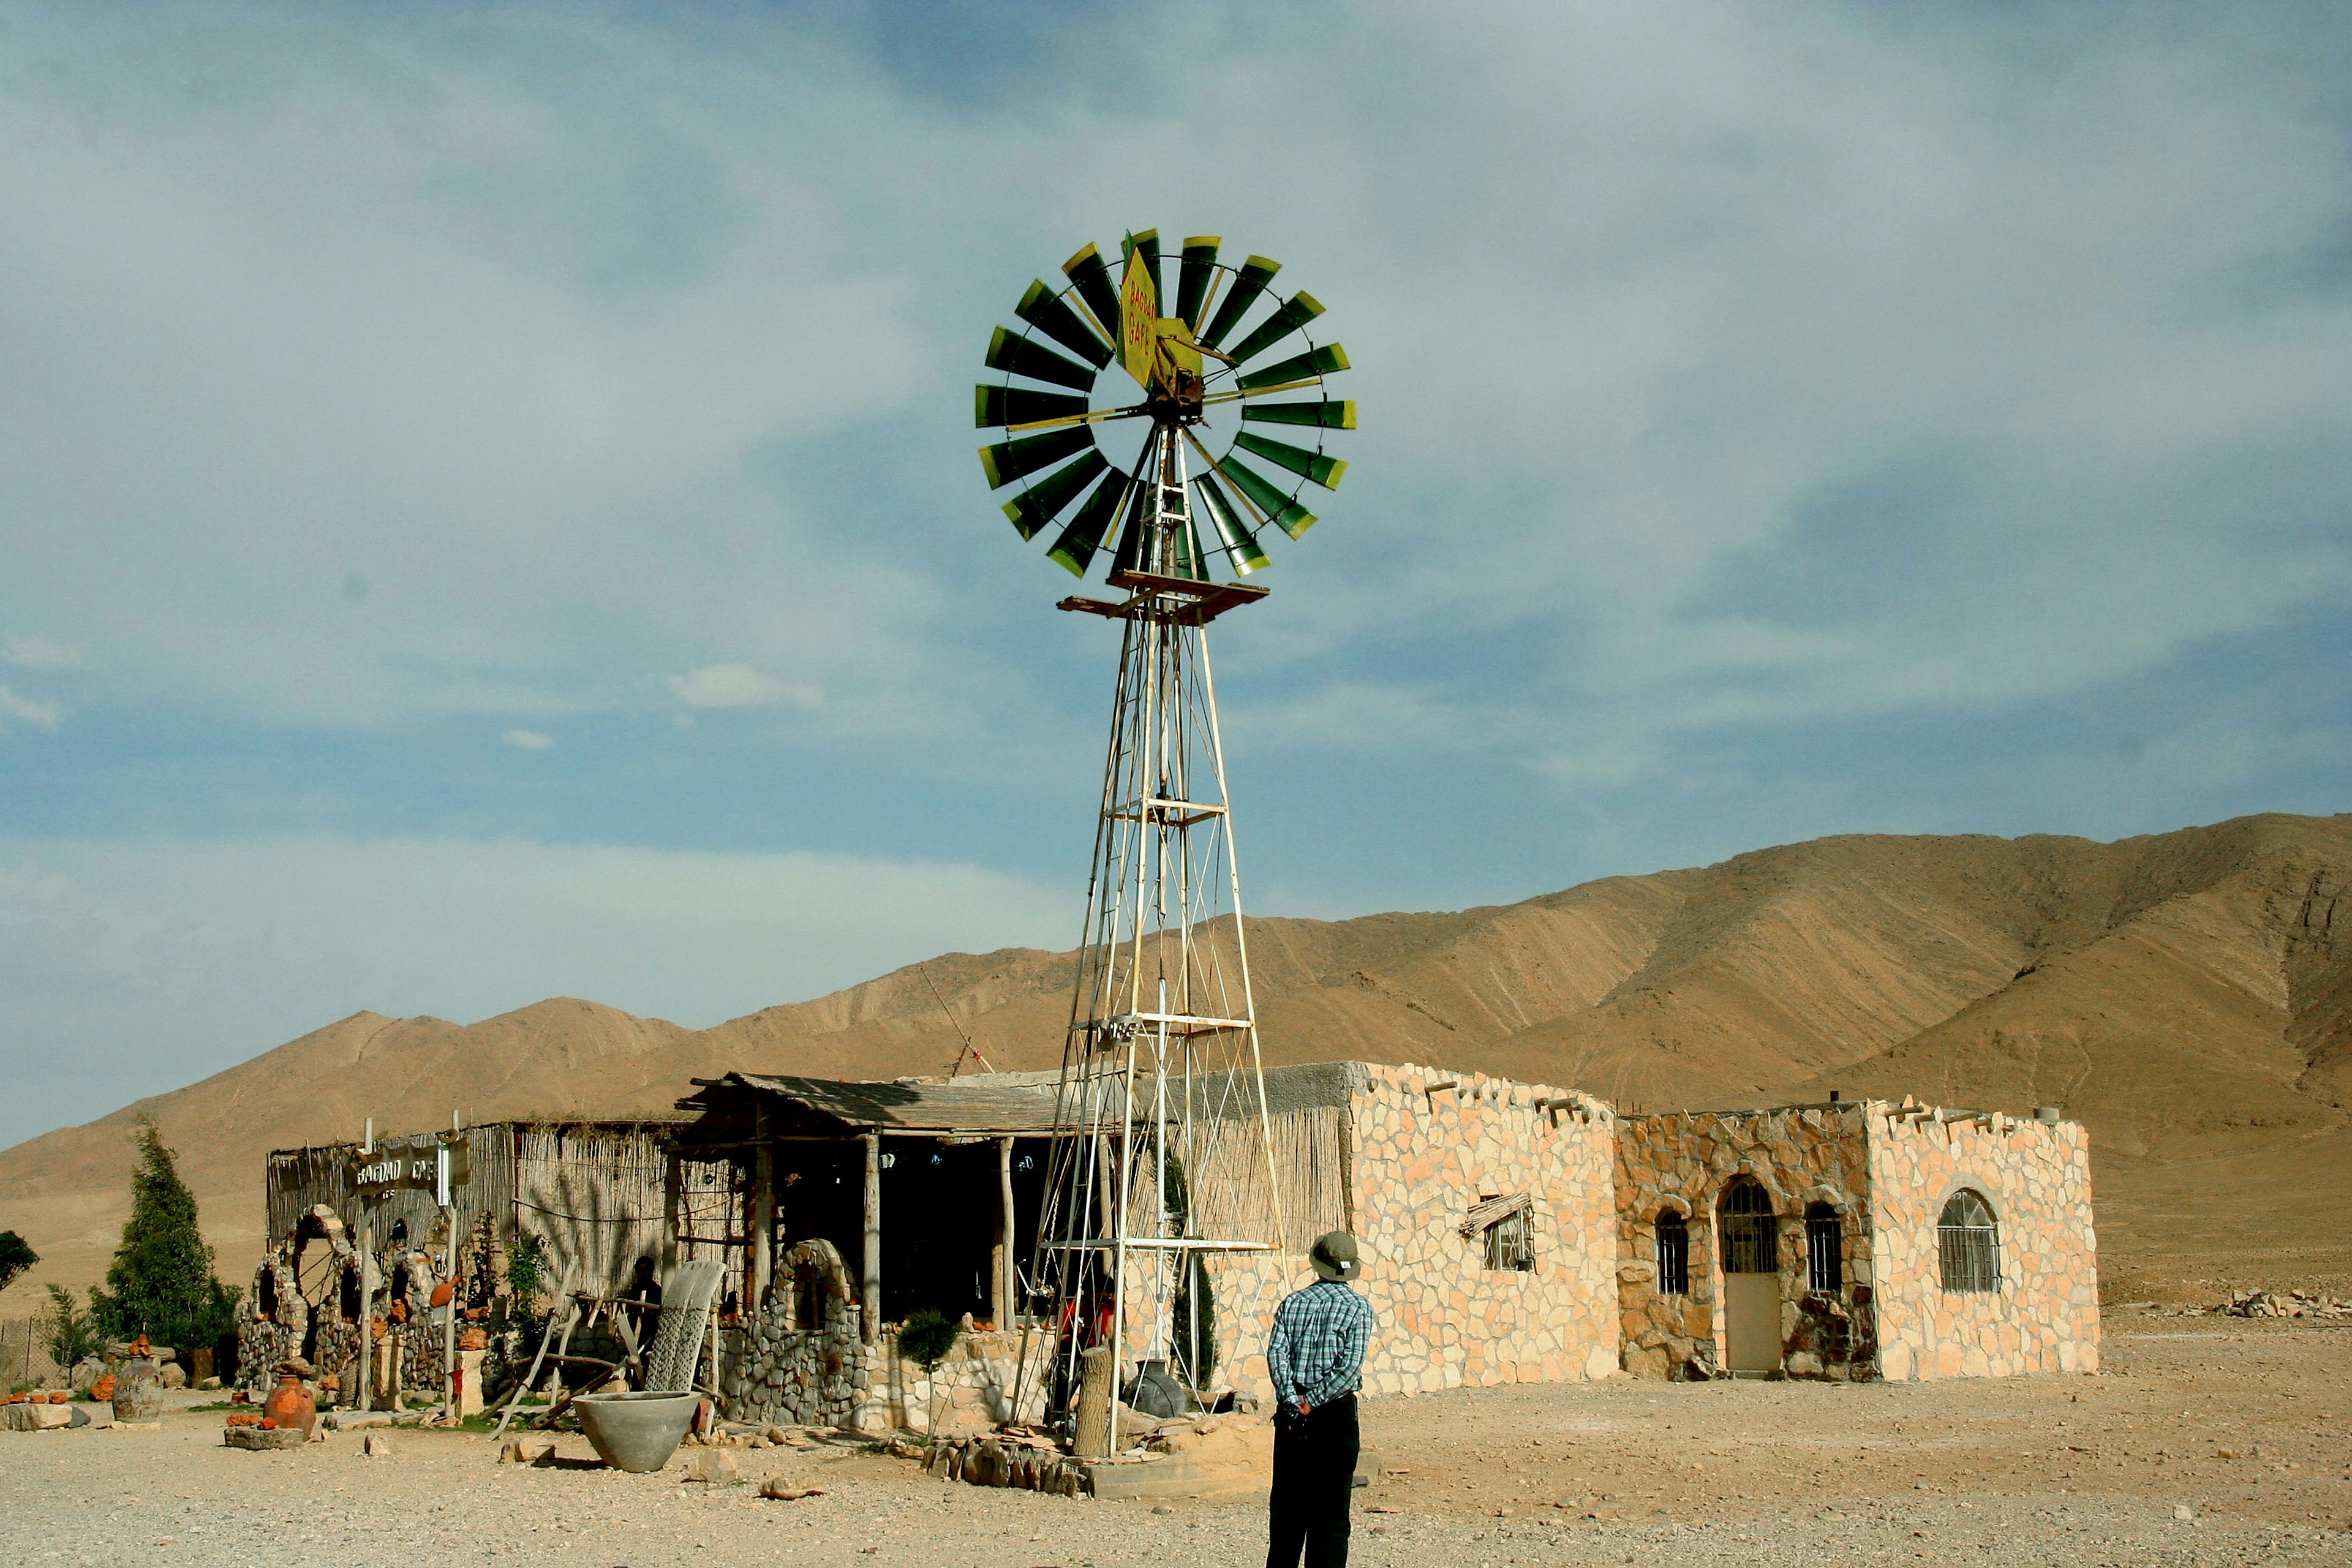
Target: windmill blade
(1038, 505)
(1147, 242)
(1255, 273)
(1329, 360)
(1301, 308)
(1008, 461)
(1329, 414)
(1042, 309)
(1193, 276)
(994, 405)
(1325, 471)
(1280, 509)
(1009, 351)
(1233, 535)
(1075, 550)
(1097, 287)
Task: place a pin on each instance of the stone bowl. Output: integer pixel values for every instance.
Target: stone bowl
(636, 1432)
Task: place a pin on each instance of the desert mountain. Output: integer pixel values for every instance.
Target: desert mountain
(2185, 993)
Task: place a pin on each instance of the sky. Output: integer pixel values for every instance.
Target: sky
(490, 513)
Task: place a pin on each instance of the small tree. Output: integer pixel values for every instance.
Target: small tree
(925, 1338)
(162, 1282)
(71, 1335)
(16, 1257)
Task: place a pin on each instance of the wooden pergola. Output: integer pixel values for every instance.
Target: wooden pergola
(782, 1129)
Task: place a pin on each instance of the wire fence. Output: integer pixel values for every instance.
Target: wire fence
(22, 1358)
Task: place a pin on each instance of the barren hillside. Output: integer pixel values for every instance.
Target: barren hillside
(2185, 993)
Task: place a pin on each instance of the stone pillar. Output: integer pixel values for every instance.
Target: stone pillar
(869, 1283)
(469, 1383)
(1002, 1306)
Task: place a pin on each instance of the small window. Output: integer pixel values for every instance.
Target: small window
(1751, 1234)
(1968, 1242)
(1511, 1242)
(1674, 1254)
(808, 1299)
(1824, 1247)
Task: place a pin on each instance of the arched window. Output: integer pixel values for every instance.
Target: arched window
(1674, 1254)
(1824, 1250)
(1751, 1236)
(1967, 1241)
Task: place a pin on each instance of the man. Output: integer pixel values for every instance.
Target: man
(1316, 1358)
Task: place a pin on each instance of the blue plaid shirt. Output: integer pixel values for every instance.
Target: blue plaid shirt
(1315, 1352)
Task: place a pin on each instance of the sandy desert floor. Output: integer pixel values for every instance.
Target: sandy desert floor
(2246, 1425)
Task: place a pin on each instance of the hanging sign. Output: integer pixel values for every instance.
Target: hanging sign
(436, 1165)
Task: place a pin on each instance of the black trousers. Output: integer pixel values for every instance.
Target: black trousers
(1314, 1479)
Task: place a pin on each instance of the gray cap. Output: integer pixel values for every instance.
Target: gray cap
(1334, 1256)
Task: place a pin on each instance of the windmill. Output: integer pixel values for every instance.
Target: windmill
(1161, 1127)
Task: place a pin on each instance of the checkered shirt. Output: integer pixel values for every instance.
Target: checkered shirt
(1315, 1352)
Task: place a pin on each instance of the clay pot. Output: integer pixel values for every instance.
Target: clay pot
(442, 1292)
(290, 1404)
(139, 1390)
(473, 1339)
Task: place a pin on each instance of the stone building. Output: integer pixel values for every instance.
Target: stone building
(1485, 1208)
(1511, 1233)
(1854, 1240)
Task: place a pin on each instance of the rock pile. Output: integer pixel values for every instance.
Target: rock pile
(2293, 1304)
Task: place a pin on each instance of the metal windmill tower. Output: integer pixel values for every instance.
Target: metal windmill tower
(1160, 1113)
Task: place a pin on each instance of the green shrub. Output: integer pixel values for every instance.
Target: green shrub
(70, 1336)
(162, 1282)
(926, 1336)
(16, 1255)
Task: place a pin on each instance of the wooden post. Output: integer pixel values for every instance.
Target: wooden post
(760, 1210)
(1003, 1306)
(870, 1285)
(1093, 1437)
(367, 1283)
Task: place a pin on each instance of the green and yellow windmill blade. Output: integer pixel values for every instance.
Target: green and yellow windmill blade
(1296, 312)
(1264, 494)
(1247, 285)
(1009, 460)
(1197, 270)
(1239, 541)
(1016, 356)
(1044, 309)
(1074, 551)
(1325, 471)
(1096, 287)
(1328, 414)
(1312, 365)
(1034, 508)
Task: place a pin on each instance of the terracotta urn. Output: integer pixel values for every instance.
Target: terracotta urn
(289, 1405)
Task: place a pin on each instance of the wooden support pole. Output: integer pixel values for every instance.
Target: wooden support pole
(1002, 1308)
(763, 1216)
(870, 1285)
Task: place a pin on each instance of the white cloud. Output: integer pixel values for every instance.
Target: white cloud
(40, 653)
(529, 740)
(226, 948)
(740, 686)
(27, 711)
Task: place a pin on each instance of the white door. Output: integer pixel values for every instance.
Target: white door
(1751, 1321)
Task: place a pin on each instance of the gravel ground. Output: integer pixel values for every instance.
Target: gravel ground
(2244, 1426)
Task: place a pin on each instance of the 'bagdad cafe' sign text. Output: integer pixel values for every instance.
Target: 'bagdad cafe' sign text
(418, 1164)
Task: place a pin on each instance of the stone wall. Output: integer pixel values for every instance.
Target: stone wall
(1683, 1161)
(2044, 1317)
(1420, 1157)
